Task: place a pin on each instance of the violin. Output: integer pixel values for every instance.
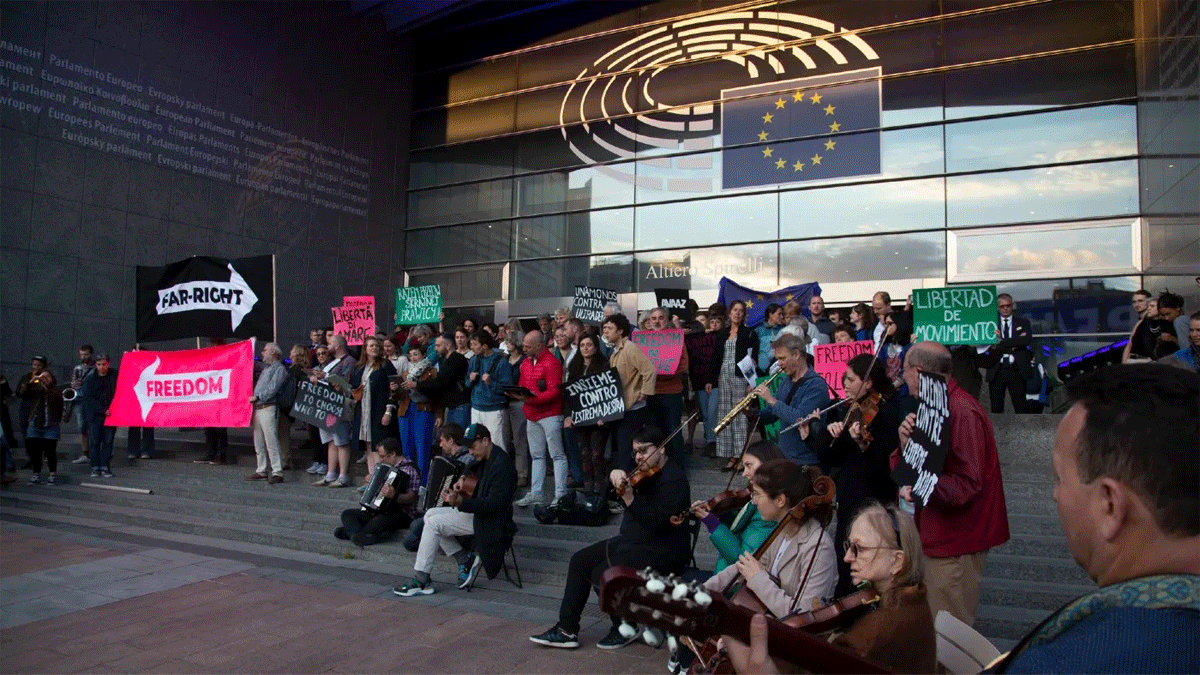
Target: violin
(864, 412)
(726, 501)
(842, 612)
(643, 470)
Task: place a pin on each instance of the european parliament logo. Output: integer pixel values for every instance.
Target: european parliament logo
(806, 129)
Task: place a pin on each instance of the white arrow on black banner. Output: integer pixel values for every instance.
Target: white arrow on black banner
(234, 296)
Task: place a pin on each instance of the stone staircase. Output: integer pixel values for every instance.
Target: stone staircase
(215, 508)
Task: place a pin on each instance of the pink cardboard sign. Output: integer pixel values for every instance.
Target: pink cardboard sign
(664, 348)
(208, 387)
(830, 361)
(355, 319)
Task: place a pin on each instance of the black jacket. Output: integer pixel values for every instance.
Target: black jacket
(446, 389)
(97, 393)
(747, 342)
(492, 505)
(1016, 346)
(380, 393)
(646, 529)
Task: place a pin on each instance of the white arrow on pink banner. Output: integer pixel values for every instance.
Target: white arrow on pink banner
(192, 388)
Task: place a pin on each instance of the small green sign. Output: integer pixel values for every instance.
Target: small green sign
(958, 315)
(418, 304)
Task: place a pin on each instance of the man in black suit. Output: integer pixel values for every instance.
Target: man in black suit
(1012, 367)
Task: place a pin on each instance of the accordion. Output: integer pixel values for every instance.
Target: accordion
(442, 474)
(372, 498)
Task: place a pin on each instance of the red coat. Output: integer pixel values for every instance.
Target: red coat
(966, 512)
(548, 370)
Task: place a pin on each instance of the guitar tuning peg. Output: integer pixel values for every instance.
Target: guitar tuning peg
(652, 637)
(702, 598)
(627, 630)
(656, 585)
(679, 592)
(672, 643)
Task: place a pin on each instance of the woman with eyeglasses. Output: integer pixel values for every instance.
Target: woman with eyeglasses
(884, 550)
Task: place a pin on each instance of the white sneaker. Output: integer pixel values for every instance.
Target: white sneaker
(528, 500)
(315, 469)
(81, 460)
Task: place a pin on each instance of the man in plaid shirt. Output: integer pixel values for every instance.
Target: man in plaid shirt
(364, 527)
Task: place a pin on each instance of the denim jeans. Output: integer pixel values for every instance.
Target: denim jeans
(545, 437)
(460, 416)
(100, 444)
(708, 408)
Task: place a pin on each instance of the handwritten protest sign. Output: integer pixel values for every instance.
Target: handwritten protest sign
(959, 315)
(589, 304)
(320, 405)
(418, 304)
(664, 348)
(674, 300)
(355, 319)
(596, 398)
(830, 361)
(922, 458)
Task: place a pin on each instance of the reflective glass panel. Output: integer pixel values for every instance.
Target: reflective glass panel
(558, 278)
(1103, 247)
(753, 265)
(571, 191)
(473, 285)
(896, 256)
(461, 163)
(1172, 245)
(1080, 305)
(487, 242)
(863, 209)
(710, 221)
(1031, 195)
(460, 203)
(1042, 138)
(574, 233)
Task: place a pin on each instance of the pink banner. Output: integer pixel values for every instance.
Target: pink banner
(663, 347)
(208, 387)
(355, 319)
(830, 361)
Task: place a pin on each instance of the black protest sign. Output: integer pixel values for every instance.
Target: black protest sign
(320, 405)
(589, 304)
(674, 300)
(922, 458)
(596, 398)
(207, 297)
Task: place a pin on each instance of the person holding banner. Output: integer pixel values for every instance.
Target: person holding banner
(266, 416)
(859, 447)
(737, 341)
(337, 437)
(592, 438)
(666, 405)
(966, 513)
(370, 419)
(800, 393)
(638, 379)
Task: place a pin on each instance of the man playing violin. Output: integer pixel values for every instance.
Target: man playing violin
(485, 512)
(656, 490)
(801, 392)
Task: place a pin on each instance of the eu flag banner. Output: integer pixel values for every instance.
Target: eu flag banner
(811, 128)
(757, 301)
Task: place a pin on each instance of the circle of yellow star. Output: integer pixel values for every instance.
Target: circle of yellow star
(835, 126)
(762, 135)
(829, 109)
(749, 304)
(816, 159)
(767, 118)
(780, 163)
(797, 97)
(816, 98)
(780, 103)
(767, 151)
(829, 144)
(798, 166)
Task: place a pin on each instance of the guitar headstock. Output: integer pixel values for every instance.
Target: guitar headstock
(665, 602)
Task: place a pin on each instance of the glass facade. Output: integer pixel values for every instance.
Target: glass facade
(600, 154)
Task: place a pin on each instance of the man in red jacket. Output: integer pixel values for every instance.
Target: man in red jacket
(966, 514)
(542, 374)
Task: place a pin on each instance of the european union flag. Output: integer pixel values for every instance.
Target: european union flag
(811, 128)
(757, 301)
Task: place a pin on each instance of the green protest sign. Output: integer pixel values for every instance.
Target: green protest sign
(418, 304)
(959, 315)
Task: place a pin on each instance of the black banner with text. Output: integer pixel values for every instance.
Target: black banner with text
(206, 297)
(596, 398)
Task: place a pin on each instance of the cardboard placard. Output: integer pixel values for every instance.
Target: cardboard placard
(664, 348)
(830, 361)
(596, 398)
(922, 458)
(418, 304)
(355, 319)
(959, 315)
(674, 300)
(589, 303)
(320, 405)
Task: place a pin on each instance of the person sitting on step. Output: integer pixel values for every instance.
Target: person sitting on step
(363, 526)
(485, 512)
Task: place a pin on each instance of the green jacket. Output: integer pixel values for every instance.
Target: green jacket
(749, 531)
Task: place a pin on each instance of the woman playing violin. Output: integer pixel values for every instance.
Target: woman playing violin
(860, 446)
(884, 549)
(748, 529)
(800, 566)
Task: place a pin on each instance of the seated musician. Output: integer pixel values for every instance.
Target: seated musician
(897, 633)
(485, 513)
(655, 492)
(450, 443)
(364, 527)
(800, 566)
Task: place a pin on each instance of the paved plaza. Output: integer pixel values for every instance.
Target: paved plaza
(76, 603)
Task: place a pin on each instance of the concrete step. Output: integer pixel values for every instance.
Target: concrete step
(1022, 568)
(1007, 623)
